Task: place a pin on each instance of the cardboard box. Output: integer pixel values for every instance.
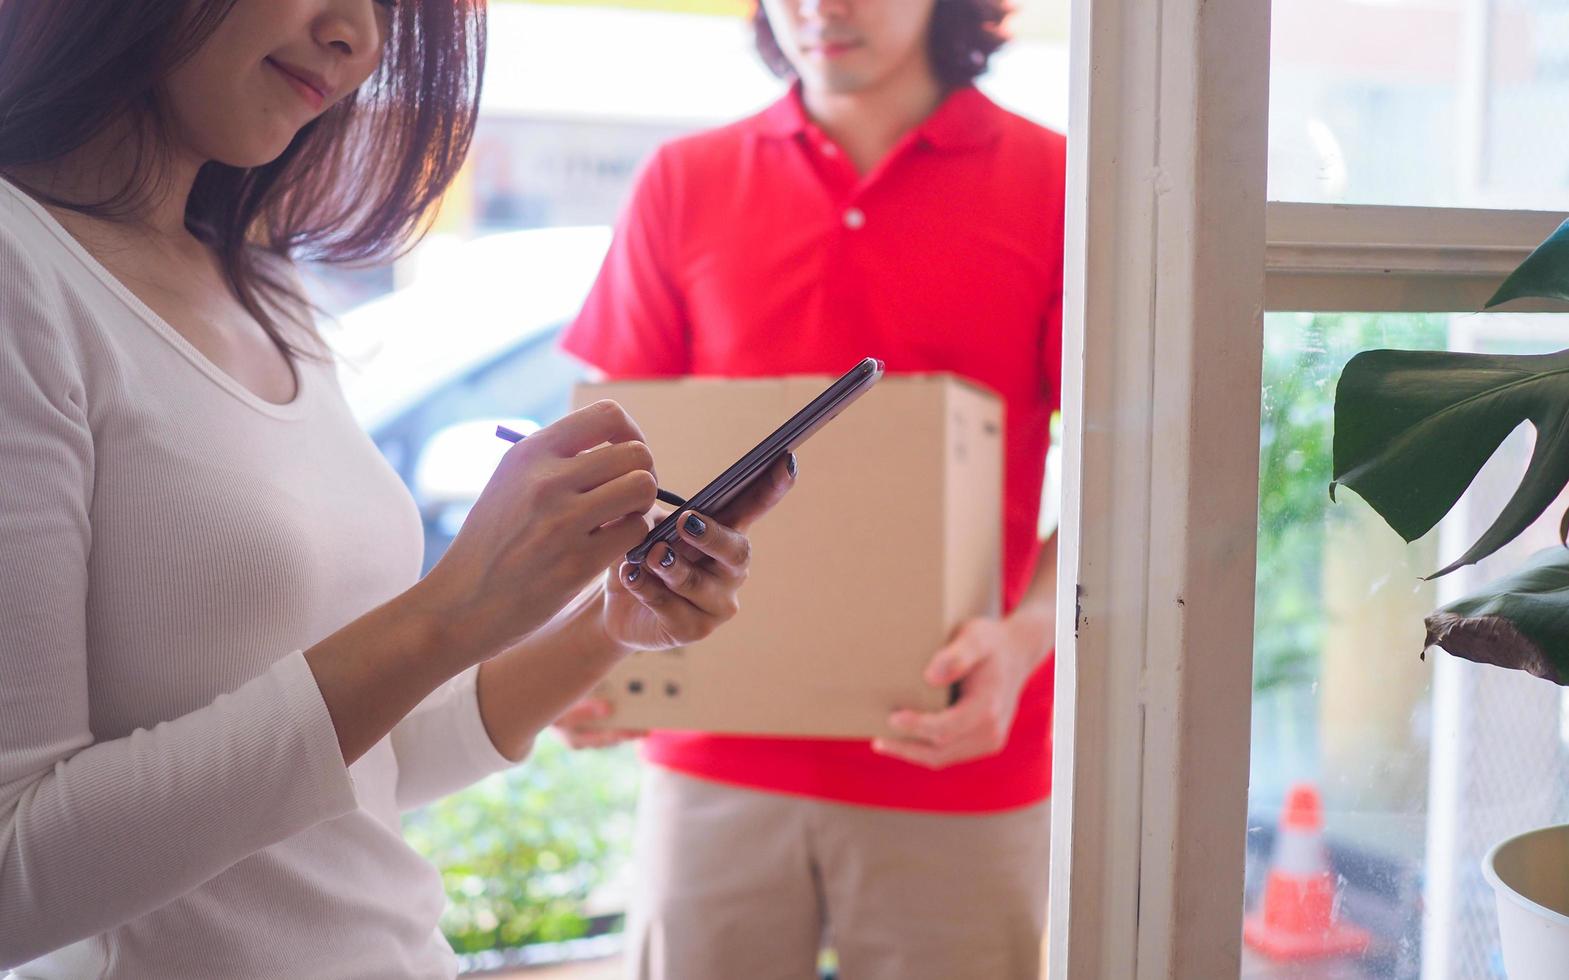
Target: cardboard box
(890, 539)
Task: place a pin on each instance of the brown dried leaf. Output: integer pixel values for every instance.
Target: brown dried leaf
(1490, 640)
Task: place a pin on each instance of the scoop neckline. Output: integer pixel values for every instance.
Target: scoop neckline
(291, 409)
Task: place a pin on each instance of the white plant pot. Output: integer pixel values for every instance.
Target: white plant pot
(1530, 877)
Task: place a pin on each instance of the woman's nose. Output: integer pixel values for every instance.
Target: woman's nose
(349, 27)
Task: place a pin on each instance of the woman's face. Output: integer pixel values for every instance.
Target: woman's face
(268, 69)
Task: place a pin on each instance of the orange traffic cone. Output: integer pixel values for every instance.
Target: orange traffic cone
(1297, 921)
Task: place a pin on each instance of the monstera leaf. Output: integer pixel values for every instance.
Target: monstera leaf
(1520, 621)
(1412, 428)
(1543, 275)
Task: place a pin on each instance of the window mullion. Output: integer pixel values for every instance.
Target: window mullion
(1163, 351)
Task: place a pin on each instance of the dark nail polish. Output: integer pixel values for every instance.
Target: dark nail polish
(790, 465)
(633, 573)
(669, 559)
(695, 525)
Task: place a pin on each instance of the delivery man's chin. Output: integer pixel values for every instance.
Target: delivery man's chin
(840, 81)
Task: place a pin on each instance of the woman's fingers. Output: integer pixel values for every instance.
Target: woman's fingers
(730, 549)
(762, 495)
(710, 588)
(701, 574)
(679, 620)
(617, 538)
(601, 422)
(605, 463)
(629, 494)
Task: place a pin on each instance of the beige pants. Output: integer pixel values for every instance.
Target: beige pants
(736, 884)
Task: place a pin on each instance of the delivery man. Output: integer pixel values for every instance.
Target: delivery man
(884, 208)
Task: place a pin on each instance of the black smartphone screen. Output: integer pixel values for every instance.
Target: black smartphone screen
(728, 485)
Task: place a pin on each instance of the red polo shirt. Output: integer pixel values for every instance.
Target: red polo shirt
(756, 250)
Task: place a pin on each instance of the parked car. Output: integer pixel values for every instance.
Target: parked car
(430, 369)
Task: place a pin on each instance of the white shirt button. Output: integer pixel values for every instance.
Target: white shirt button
(829, 150)
(854, 219)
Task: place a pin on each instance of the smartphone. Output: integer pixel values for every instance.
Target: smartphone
(729, 485)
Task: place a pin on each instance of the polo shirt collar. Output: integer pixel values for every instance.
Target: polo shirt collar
(785, 118)
(964, 120)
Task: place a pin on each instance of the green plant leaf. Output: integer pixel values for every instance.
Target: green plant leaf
(1412, 428)
(520, 852)
(1543, 274)
(1520, 621)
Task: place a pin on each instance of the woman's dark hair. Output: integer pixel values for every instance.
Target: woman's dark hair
(356, 185)
(964, 33)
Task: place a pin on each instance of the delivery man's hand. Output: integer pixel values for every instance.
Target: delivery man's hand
(679, 595)
(574, 726)
(990, 659)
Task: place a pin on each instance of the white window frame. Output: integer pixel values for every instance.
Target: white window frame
(1325, 258)
(1172, 258)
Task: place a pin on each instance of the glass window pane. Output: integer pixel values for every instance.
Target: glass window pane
(1420, 102)
(462, 334)
(1420, 766)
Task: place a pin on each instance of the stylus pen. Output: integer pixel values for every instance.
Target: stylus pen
(674, 500)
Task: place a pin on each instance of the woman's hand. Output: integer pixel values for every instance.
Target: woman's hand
(555, 515)
(679, 595)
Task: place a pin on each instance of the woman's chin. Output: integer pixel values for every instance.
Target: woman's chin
(251, 153)
(249, 161)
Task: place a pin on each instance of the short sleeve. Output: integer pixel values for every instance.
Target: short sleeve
(634, 322)
(1051, 320)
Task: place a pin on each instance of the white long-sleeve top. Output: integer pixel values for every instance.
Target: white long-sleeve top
(173, 802)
